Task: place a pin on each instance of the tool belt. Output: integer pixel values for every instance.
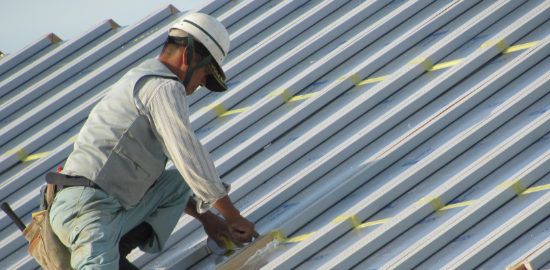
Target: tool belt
(45, 246)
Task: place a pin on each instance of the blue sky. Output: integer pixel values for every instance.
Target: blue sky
(23, 21)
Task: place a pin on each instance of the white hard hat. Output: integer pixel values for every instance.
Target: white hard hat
(213, 35)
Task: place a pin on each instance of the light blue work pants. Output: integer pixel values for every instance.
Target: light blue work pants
(90, 222)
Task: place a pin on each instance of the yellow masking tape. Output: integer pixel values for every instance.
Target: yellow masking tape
(37, 156)
(535, 189)
(279, 235)
(456, 205)
(516, 185)
(73, 139)
(235, 111)
(218, 109)
(299, 238)
(446, 64)
(372, 223)
(285, 94)
(21, 153)
(352, 220)
(355, 79)
(372, 80)
(520, 47)
(296, 98)
(436, 202)
(426, 63)
(500, 44)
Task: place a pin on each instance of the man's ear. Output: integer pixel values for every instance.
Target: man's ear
(184, 56)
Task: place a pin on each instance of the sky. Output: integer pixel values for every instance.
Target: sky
(24, 21)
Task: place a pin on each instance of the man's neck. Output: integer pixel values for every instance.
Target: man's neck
(173, 65)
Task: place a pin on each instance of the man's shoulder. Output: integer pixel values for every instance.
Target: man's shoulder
(151, 84)
(149, 88)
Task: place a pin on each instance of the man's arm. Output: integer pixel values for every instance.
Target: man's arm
(168, 109)
(170, 114)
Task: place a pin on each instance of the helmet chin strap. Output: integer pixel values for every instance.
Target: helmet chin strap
(191, 70)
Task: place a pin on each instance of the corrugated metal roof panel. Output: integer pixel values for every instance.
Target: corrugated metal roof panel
(56, 57)
(26, 56)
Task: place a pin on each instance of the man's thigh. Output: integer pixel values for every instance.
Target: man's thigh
(89, 222)
(161, 207)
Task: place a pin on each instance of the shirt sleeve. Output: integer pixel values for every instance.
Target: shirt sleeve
(170, 113)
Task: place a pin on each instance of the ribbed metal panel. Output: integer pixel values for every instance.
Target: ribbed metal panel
(55, 57)
(19, 60)
(381, 134)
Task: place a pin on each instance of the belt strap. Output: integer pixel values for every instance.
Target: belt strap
(63, 181)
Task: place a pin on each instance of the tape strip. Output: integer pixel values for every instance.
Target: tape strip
(372, 80)
(535, 189)
(299, 238)
(352, 220)
(218, 109)
(279, 235)
(235, 111)
(446, 64)
(21, 153)
(520, 47)
(285, 94)
(296, 98)
(516, 185)
(436, 202)
(456, 205)
(24, 157)
(37, 156)
(500, 44)
(426, 63)
(355, 79)
(372, 223)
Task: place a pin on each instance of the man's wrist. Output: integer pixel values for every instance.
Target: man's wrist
(205, 216)
(227, 209)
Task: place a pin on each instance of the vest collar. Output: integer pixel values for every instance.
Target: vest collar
(157, 68)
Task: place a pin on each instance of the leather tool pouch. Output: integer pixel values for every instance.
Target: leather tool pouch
(45, 246)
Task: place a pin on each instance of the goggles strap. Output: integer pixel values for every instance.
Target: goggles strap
(191, 70)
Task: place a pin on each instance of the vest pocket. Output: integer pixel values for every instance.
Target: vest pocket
(125, 179)
(137, 167)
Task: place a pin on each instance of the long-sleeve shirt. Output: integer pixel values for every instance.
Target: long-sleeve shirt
(164, 103)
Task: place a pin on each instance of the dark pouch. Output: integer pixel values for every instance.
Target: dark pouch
(45, 246)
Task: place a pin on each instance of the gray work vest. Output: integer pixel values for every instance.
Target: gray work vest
(117, 148)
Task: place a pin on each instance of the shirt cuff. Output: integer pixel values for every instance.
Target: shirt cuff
(204, 206)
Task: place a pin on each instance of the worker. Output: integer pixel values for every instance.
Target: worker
(114, 193)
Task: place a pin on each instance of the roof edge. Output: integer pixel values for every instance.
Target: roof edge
(54, 38)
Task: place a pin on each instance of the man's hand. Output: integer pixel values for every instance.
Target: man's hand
(235, 227)
(241, 229)
(215, 227)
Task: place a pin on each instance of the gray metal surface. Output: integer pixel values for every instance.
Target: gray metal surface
(531, 247)
(398, 186)
(56, 57)
(16, 61)
(407, 121)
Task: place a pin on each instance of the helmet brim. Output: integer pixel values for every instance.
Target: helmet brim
(215, 82)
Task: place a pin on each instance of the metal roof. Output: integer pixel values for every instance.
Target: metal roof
(367, 134)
